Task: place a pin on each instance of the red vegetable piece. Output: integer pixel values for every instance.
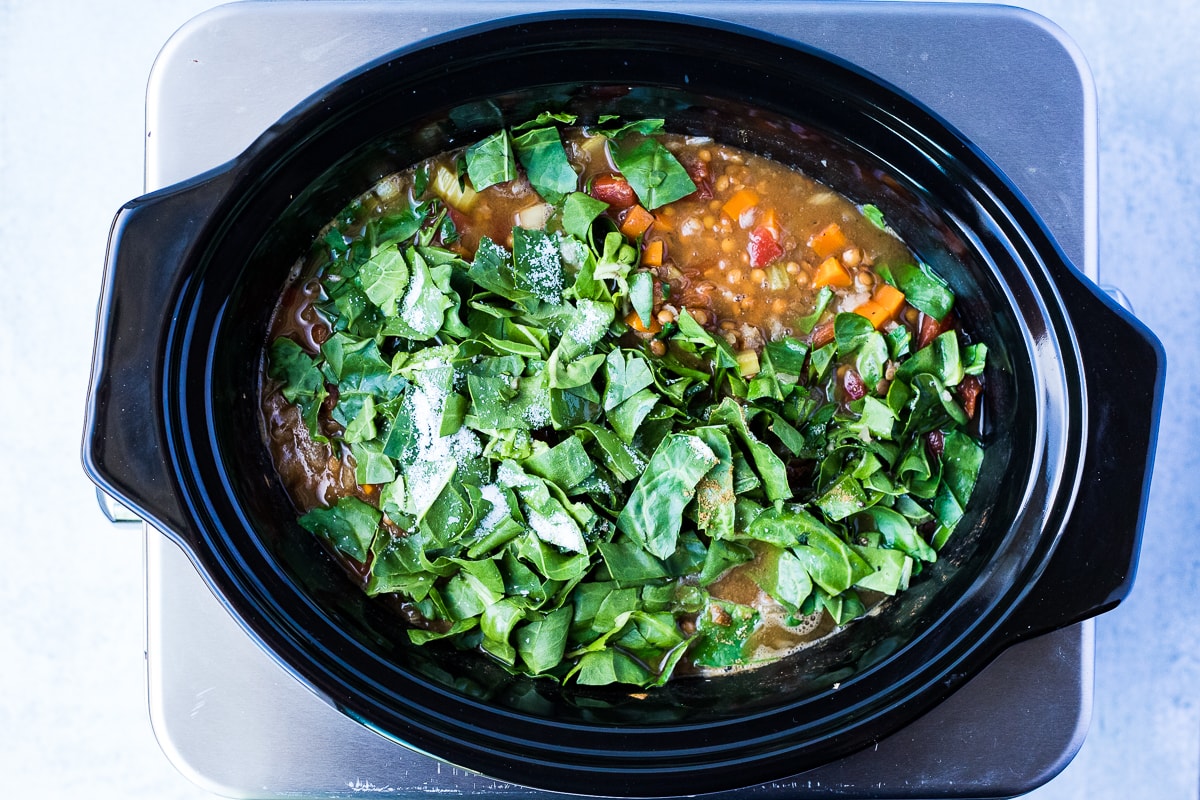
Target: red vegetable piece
(698, 171)
(931, 328)
(936, 442)
(969, 391)
(763, 247)
(853, 385)
(614, 190)
(822, 335)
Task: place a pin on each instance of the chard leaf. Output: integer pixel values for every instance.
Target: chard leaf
(923, 289)
(787, 526)
(384, 278)
(852, 332)
(610, 666)
(541, 152)
(579, 210)
(962, 458)
(843, 498)
(645, 127)
(537, 267)
(475, 587)
(629, 564)
(655, 174)
(769, 466)
(715, 492)
(723, 630)
(806, 323)
(492, 269)
(781, 574)
(723, 555)
(939, 358)
(422, 311)
(654, 512)
(627, 374)
(892, 569)
(974, 359)
(831, 563)
(371, 466)
(787, 355)
(400, 227)
(873, 215)
(295, 369)
(565, 464)
(491, 161)
(641, 296)
(542, 642)
(545, 118)
(349, 526)
(626, 418)
(898, 533)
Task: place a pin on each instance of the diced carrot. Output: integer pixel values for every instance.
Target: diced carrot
(739, 203)
(637, 220)
(873, 311)
(652, 253)
(770, 221)
(634, 321)
(829, 241)
(832, 273)
(663, 222)
(890, 298)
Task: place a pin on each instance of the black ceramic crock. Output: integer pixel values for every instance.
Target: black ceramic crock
(1050, 537)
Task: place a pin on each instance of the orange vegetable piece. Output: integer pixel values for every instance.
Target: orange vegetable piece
(889, 298)
(829, 241)
(832, 273)
(634, 321)
(652, 253)
(770, 221)
(636, 222)
(739, 203)
(874, 312)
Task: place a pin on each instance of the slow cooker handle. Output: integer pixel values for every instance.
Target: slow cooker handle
(1093, 564)
(124, 447)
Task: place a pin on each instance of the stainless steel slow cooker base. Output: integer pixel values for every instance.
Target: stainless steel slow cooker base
(238, 724)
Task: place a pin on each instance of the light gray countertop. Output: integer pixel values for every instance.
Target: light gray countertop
(73, 719)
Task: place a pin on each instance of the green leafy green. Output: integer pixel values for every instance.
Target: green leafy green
(349, 525)
(924, 289)
(541, 483)
(655, 174)
(491, 161)
(541, 153)
(653, 515)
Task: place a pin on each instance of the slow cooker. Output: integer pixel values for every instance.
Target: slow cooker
(1052, 539)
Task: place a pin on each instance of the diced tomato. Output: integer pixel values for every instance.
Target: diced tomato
(969, 391)
(614, 190)
(698, 171)
(853, 385)
(763, 247)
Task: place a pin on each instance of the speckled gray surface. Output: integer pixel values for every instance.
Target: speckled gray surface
(73, 721)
